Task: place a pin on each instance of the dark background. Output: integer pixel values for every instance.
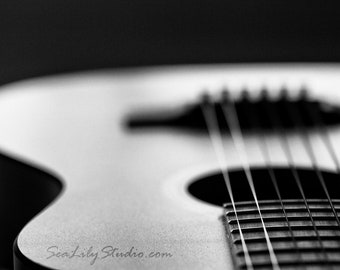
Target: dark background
(40, 37)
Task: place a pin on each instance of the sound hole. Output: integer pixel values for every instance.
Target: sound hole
(212, 188)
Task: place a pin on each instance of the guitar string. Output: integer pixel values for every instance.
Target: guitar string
(298, 123)
(214, 131)
(286, 147)
(308, 146)
(325, 137)
(322, 132)
(264, 149)
(230, 114)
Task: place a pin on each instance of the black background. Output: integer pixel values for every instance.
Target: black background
(42, 36)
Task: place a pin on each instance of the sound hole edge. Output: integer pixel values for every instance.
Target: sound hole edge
(211, 188)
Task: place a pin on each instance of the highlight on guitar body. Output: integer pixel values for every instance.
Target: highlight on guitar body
(192, 167)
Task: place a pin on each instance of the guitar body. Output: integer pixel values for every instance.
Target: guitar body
(125, 202)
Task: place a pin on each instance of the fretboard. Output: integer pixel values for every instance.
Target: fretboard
(303, 237)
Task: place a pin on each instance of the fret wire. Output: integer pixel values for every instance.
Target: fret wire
(231, 118)
(210, 118)
(274, 117)
(319, 125)
(255, 121)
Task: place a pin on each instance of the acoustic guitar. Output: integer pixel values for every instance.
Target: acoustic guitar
(190, 167)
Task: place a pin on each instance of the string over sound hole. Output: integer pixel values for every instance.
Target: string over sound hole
(212, 189)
